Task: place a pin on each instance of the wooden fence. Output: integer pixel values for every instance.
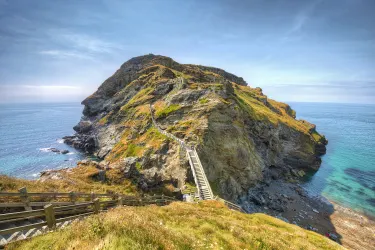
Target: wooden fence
(56, 214)
(231, 205)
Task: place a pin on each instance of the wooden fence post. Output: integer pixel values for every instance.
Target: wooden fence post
(50, 216)
(96, 206)
(120, 201)
(25, 198)
(92, 196)
(115, 196)
(73, 197)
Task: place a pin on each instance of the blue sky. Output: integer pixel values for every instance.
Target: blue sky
(296, 50)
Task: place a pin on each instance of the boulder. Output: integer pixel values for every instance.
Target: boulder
(83, 127)
(128, 167)
(163, 88)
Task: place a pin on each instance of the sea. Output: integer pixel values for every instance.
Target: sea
(346, 176)
(347, 172)
(29, 131)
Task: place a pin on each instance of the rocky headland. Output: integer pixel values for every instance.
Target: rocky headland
(241, 136)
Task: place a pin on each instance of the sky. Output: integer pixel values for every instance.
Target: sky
(295, 50)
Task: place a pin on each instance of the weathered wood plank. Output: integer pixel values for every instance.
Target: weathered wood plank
(24, 214)
(78, 205)
(22, 228)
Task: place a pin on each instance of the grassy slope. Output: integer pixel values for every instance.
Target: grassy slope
(250, 100)
(79, 179)
(179, 226)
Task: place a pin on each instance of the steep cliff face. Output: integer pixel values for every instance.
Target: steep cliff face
(240, 134)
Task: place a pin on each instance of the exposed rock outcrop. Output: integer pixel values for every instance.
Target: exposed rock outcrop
(239, 133)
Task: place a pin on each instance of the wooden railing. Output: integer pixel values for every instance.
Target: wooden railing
(29, 200)
(56, 214)
(231, 205)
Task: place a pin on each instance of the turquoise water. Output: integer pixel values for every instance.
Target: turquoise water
(347, 173)
(27, 130)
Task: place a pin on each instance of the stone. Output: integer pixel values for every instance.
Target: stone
(333, 236)
(55, 150)
(128, 167)
(163, 88)
(83, 127)
(64, 152)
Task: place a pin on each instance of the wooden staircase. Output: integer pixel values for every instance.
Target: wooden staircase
(204, 188)
(201, 181)
(200, 178)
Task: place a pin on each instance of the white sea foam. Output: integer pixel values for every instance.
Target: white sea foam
(45, 149)
(60, 141)
(70, 153)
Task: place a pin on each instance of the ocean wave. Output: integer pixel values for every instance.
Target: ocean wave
(60, 141)
(45, 149)
(70, 153)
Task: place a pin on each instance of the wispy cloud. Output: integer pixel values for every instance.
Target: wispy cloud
(293, 34)
(332, 84)
(89, 43)
(78, 46)
(52, 87)
(65, 54)
(303, 17)
(40, 93)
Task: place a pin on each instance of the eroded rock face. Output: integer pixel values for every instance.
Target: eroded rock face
(239, 133)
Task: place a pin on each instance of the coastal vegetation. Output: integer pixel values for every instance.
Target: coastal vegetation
(83, 178)
(206, 225)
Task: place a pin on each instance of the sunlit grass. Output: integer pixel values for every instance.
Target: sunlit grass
(207, 225)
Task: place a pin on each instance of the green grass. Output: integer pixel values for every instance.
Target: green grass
(167, 110)
(103, 121)
(138, 165)
(132, 150)
(206, 225)
(139, 98)
(203, 100)
(151, 139)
